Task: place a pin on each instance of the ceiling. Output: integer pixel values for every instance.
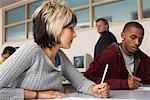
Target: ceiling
(4, 3)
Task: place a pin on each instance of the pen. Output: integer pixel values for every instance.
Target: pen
(104, 74)
(129, 71)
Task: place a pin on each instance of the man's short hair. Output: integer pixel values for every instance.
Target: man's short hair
(102, 19)
(132, 24)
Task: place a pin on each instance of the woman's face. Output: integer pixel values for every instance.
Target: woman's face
(67, 36)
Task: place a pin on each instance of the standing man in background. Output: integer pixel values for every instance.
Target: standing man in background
(106, 37)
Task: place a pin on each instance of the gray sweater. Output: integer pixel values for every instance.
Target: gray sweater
(30, 68)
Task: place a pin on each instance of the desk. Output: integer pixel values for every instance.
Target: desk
(140, 94)
(120, 94)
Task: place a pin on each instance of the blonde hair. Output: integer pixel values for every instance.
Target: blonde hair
(55, 16)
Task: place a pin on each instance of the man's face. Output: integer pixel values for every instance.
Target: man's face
(131, 40)
(101, 27)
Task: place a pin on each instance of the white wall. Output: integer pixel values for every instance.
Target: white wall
(83, 43)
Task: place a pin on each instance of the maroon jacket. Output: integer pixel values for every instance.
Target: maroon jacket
(117, 75)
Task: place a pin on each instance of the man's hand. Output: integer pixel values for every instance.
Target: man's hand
(134, 82)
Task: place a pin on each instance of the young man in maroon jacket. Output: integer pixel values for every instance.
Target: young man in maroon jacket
(121, 57)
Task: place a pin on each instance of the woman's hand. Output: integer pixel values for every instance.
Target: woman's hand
(100, 90)
(49, 94)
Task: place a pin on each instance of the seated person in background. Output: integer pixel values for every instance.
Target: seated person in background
(35, 70)
(6, 53)
(106, 37)
(121, 57)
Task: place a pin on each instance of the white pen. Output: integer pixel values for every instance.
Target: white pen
(104, 74)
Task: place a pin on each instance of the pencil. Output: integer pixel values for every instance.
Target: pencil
(129, 71)
(104, 74)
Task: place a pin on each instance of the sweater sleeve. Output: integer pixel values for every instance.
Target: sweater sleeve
(12, 68)
(77, 79)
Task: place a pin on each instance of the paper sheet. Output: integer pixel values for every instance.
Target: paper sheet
(143, 88)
